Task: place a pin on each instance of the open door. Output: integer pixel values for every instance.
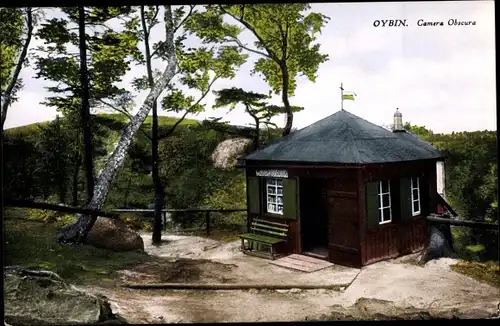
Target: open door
(314, 218)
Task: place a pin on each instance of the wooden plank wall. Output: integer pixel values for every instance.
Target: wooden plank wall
(402, 236)
(393, 240)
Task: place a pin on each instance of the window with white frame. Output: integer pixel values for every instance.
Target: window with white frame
(384, 202)
(415, 196)
(274, 192)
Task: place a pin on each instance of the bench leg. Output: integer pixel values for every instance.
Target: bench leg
(271, 249)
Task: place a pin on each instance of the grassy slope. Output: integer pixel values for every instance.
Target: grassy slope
(485, 272)
(114, 122)
(106, 119)
(32, 244)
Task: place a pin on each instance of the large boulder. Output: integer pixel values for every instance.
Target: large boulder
(43, 298)
(229, 151)
(113, 234)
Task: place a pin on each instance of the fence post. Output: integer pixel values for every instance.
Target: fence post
(207, 222)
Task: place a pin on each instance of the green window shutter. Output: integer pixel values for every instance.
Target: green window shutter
(371, 197)
(253, 190)
(405, 198)
(290, 198)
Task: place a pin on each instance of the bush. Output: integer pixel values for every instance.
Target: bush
(47, 216)
(231, 196)
(134, 221)
(471, 188)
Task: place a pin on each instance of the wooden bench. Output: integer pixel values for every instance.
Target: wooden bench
(265, 233)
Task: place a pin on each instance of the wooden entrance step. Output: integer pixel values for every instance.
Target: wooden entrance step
(301, 263)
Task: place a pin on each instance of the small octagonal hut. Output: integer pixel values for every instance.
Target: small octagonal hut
(349, 191)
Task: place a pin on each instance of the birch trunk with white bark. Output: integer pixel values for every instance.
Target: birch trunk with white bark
(77, 232)
(7, 95)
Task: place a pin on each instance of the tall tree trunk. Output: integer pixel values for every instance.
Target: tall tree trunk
(2, 165)
(76, 172)
(77, 232)
(85, 109)
(7, 95)
(286, 103)
(61, 169)
(159, 193)
(256, 139)
(127, 192)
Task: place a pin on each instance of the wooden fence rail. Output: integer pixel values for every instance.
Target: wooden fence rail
(184, 210)
(466, 223)
(56, 207)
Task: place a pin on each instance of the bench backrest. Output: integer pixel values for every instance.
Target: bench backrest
(272, 229)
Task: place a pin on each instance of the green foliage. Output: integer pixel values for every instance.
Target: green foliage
(186, 166)
(231, 195)
(191, 179)
(420, 131)
(133, 221)
(284, 36)
(254, 104)
(200, 68)
(284, 41)
(42, 159)
(471, 170)
(52, 217)
(471, 185)
(110, 54)
(11, 25)
(22, 166)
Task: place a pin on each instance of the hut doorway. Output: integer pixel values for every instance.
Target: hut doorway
(314, 217)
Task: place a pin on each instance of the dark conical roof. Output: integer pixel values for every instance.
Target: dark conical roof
(345, 138)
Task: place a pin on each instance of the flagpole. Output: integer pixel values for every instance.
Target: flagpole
(341, 97)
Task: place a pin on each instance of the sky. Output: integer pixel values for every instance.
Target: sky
(441, 77)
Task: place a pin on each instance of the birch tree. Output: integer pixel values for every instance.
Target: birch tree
(16, 32)
(77, 232)
(198, 70)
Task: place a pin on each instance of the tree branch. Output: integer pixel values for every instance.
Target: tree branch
(269, 123)
(271, 54)
(288, 36)
(145, 26)
(8, 93)
(154, 52)
(157, 10)
(123, 112)
(185, 18)
(171, 130)
(284, 40)
(237, 41)
(249, 111)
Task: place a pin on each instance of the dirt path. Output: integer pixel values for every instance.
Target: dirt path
(200, 260)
